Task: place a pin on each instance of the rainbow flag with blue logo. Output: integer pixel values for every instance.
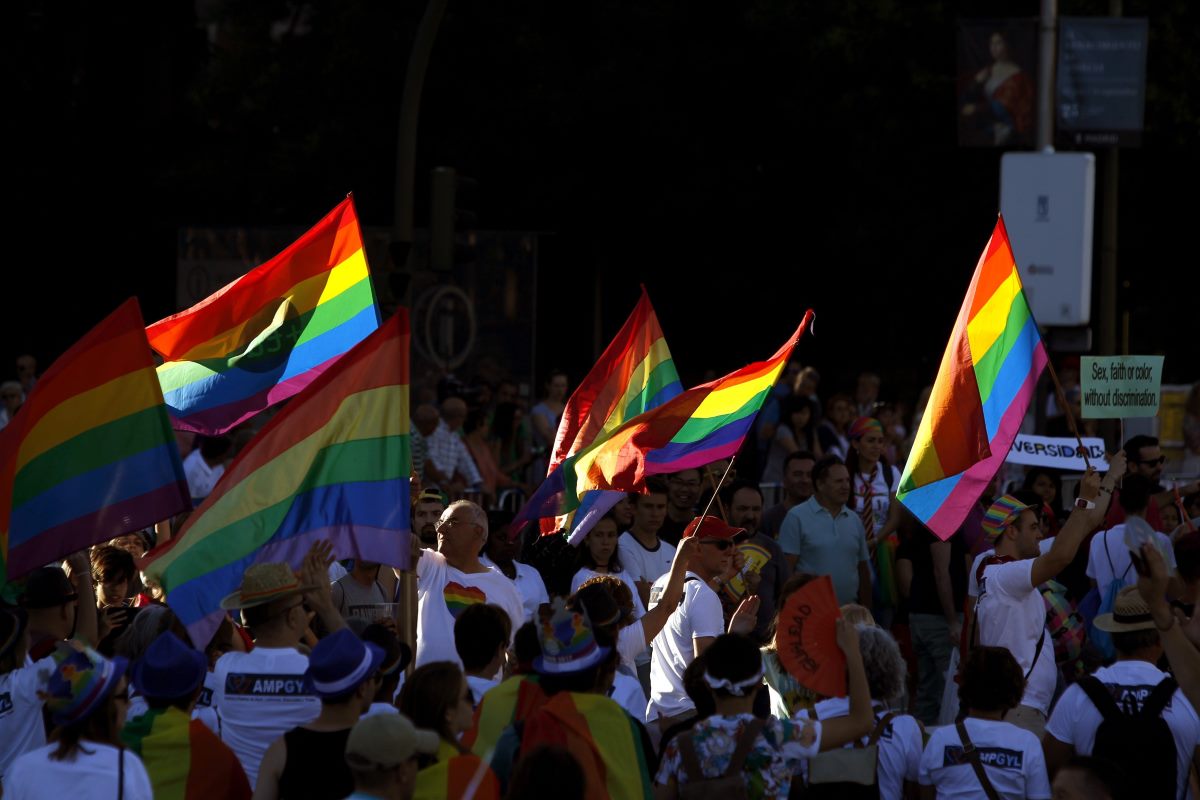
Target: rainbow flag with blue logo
(270, 333)
(988, 376)
(333, 465)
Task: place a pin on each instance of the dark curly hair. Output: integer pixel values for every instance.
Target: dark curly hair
(992, 680)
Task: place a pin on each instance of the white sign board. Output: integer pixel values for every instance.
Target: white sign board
(1047, 200)
(1059, 453)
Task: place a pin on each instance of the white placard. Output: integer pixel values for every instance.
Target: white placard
(1056, 452)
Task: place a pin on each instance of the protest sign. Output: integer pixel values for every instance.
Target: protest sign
(806, 639)
(1120, 386)
(1057, 452)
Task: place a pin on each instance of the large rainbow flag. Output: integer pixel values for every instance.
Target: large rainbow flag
(334, 464)
(634, 374)
(983, 387)
(695, 428)
(270, 333)
(184, 759)
(91, 455)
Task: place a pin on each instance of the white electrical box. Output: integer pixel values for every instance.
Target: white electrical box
(1048, 200)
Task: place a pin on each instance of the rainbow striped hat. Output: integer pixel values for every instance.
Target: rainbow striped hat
(863, 425)
(1000, 514)
(568, 643)
(81, 680)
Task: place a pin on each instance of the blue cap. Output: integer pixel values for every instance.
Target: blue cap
(169, 669)
(341, 662)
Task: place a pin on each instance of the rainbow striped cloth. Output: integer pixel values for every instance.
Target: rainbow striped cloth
(91, 455)
(270, 333)
(184, 759)
(634, 374)
(333, 465)
(983, 387)
(602, 738)
(511, 701)
(695, 428)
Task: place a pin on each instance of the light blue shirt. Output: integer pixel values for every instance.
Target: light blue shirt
(826, 545)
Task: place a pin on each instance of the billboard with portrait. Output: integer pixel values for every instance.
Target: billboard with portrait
(997, 83)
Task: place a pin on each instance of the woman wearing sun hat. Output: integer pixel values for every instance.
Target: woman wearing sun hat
(87, 696)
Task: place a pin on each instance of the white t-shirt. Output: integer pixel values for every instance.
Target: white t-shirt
(881, 494)
(90, 775)
(258, 696)
(627, 693)
(900, 744)
(1011, 756)
(585, 574)
(641, 563)
(204, 710)
(201, 478)
(1075, 718)
(699, 616)
(631, 643)
(21, 728)
(1011, 614)
(529, 584)
(442, 594)
(973, 583)
(1108, 557)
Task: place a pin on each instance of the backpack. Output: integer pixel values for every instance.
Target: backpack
(848, 773)
(730, 785)
(1067, 629)
(1102, 640)
(1140, 742)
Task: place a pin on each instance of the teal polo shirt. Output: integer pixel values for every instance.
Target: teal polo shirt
(826, 545)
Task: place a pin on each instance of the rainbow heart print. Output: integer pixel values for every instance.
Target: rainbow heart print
(459, 597)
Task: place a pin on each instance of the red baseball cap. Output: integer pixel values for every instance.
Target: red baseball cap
(712, 528)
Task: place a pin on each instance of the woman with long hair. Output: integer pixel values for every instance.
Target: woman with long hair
(831, 433)
(438, 698)
(873, 483)
(599, 555)
(797, 430)
(87, 697)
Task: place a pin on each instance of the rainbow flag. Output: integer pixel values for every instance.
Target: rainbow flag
(603, 739)
(334, 464)
(983, 387)
(634, 374)
(270, 333)
(695, 428)
(184, 759)
(509, 702)
(91, 455)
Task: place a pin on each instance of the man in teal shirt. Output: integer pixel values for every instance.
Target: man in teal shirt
(821, 536)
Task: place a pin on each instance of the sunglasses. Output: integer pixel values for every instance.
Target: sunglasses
(720, 544)
(1153, 461)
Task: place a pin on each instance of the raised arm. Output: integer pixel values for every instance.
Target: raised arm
(315, 572)
(1080, 523)
(1184, 658)
(838, 731)
(654, 619)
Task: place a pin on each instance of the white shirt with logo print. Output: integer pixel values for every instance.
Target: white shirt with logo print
(258, 696)
(1012, 758)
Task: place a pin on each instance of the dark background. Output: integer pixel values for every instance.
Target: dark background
(744, 160)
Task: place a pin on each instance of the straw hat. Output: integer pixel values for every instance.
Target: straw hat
(263, 583)
(1130, 613)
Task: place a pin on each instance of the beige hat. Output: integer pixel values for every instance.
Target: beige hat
(263, 583)
(1130, 613)
(385, 741)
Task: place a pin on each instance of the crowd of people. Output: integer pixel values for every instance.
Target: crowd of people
(1047, 648)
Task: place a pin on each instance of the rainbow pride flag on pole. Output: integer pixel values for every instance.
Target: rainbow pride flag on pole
(695, 428)
(270, 333)
(332, 465)
(983, 387)
(91, 455)
(634, 374)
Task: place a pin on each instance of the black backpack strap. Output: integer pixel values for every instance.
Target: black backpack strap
(972, 757)
(888, 477)
(1037, 652)
(1160, 698)
(880, 727)
(1108, 555)
(121, 773)
(1100, 697)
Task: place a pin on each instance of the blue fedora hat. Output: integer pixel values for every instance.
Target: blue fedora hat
(169, 668)
(341, 662)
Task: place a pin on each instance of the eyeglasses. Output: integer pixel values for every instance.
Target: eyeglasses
(1154, 462)
(444, 524)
